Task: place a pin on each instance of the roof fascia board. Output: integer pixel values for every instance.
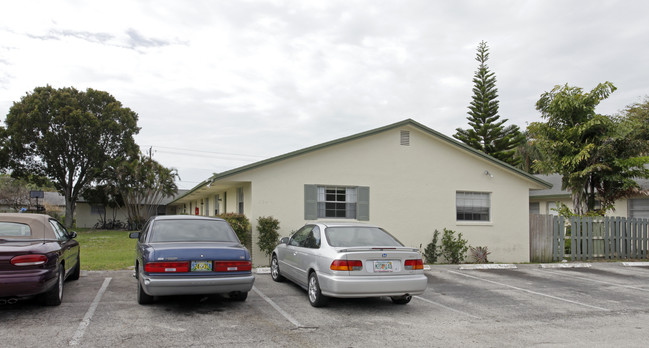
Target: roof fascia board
(324, 145)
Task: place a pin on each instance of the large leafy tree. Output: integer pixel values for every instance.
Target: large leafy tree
(598, 156)
(14, 193)
(488, 132)
(143, 184)
(638, 113)
(68, 136)
(107, 196)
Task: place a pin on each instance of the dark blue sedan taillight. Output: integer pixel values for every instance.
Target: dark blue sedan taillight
(166, 267)
(232, 266)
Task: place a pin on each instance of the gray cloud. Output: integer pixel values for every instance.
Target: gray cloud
(265, 78)
(137, 40)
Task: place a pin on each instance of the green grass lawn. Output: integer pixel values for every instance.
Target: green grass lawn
(105, 250)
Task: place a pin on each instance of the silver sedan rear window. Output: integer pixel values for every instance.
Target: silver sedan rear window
(359, 236)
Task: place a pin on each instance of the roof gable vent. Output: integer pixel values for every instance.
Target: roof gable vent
(405, 138)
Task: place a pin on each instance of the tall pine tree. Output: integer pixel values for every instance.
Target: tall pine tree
(488, 133)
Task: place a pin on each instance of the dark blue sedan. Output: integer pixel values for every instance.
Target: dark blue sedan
(189, 255)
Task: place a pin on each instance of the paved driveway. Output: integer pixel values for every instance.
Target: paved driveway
(604, 305)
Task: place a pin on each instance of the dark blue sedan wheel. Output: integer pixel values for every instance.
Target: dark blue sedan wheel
(142, 297)
(239, 295)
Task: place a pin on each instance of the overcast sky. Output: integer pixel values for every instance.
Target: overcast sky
(221, 84)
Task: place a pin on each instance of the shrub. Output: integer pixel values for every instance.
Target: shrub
(61, 219)
(431, 253)
(453, 249)
(267, 226)
(241, 226)
(480, 254)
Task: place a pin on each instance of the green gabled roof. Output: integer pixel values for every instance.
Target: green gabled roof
(407, 122)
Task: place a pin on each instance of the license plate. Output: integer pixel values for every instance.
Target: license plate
(201, 266)
(383, 266)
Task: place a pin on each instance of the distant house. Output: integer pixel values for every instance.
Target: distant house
(51, 201)
(548, 200)
(88, 214)
(404, 177)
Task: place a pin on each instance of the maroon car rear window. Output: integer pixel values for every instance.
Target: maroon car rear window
(13, 229)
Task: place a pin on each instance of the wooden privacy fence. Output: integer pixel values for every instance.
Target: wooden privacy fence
(555, 238)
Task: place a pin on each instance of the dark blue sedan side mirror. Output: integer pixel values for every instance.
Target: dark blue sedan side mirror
(134, 235)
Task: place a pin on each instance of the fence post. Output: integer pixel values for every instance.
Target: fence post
(589, 223)
(625, 239)
(574, 230)
(644, 239)
(606, 238)
(561, 230)
(542, 238)
(618, 226)
(555, 238)
(635, 239)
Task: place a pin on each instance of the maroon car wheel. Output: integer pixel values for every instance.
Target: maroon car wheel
(54, 296)
(76, 272)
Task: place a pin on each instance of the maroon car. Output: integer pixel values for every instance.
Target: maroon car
(37, 254)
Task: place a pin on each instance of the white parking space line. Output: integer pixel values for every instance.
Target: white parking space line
(91, 311)
(598, 281)
(445, 307)
(281, 311)
(530, 291)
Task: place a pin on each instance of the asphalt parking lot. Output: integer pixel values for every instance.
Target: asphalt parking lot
(603, 305)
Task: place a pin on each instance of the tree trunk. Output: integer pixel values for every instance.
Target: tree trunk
(69, 212)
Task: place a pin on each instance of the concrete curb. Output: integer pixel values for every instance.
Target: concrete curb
(635, 264)
(566, 265)
(262, 270)
(489, 266)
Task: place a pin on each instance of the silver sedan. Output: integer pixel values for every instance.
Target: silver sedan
(348, 260)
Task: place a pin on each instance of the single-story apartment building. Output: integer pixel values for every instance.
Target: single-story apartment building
(404, 177)
(547, 201)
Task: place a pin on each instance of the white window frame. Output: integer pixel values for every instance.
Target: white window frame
(638, 212)
(355, 202)
(240, 196)
(326, 204)
(536, 206)
(472, 202)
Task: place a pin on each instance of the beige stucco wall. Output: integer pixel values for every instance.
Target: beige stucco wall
(85, 219)
(228, 201)
(412, 190)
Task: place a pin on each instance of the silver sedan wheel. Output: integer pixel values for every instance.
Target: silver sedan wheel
(274, 270)
(316, 298)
